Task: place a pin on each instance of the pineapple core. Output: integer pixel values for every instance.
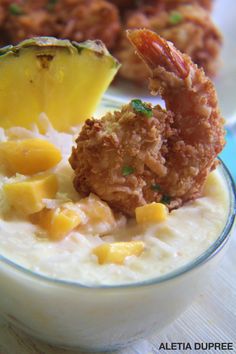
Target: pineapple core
(63, 79)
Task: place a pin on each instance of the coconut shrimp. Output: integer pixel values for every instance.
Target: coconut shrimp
(188, 26)
(143, 154)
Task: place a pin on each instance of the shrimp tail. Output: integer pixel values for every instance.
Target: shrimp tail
(155, 51)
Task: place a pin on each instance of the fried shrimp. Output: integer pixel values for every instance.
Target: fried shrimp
(143, 154)
(126, 4)
(188, 26)
(77, 20)
(25, 19)
(88, 19)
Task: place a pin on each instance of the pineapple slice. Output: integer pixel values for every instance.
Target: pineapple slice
(61, 78)
(117, 252)
(27, 196)
(29, 156)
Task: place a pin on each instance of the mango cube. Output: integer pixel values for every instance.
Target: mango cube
(97, 210)
(153, 212)
(27, 196)
(117, 252)
(29, 156)
(58, 222)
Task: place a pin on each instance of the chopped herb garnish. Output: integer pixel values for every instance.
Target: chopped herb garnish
(175, 17)
(15, 10)
(140, 107)
(166, 199)
(127, 170)
(156, 187)
(51, 4)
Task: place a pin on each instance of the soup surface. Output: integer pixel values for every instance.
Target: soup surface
(184, 235)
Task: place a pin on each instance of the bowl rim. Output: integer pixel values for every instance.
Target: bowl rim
(203, 258)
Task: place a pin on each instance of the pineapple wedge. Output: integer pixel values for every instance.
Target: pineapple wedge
(61, 78)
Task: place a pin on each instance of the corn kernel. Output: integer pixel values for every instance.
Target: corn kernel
(117, 252)
(57, 222)
(29, 156)
(153, 212)
(27, 196)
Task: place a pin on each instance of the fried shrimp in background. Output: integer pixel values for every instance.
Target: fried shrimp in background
(26, 19)
(186, 23)
(189, 27)
(74, 19)
(88, 19)
(143, 154)
(124, 4)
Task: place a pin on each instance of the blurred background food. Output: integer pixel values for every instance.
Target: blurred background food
(187, 23)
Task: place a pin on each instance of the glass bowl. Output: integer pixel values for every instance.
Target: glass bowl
(98, 318)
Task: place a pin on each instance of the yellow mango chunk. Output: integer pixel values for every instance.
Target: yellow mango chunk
(96, 209)
(29, 156)
(27, 196)
(117, 252)
(153, 212)
(58, 222)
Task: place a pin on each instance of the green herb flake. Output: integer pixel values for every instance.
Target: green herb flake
(166, 199)
(175, 17)
(127, 170)
(15, 10)
(155, 187)
(140, 107)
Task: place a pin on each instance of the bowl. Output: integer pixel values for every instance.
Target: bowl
(98, 318)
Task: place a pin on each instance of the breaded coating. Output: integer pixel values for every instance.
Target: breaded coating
(107, 148)
(26, 19)
(74, 19)
(145, 154)
(88, 19)
(189, 27)
(206, 4)
(124, 4)
(3, 5)
(127, 4)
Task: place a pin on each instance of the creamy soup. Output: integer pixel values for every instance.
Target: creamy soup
(184, 235)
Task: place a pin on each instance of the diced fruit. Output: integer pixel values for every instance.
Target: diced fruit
(58, 222)
(97, 210)
(153, 212)
(27, 196)
(29, 156)
(118, 251)
(61, 78)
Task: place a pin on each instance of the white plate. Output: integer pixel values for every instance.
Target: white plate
(224, 17)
